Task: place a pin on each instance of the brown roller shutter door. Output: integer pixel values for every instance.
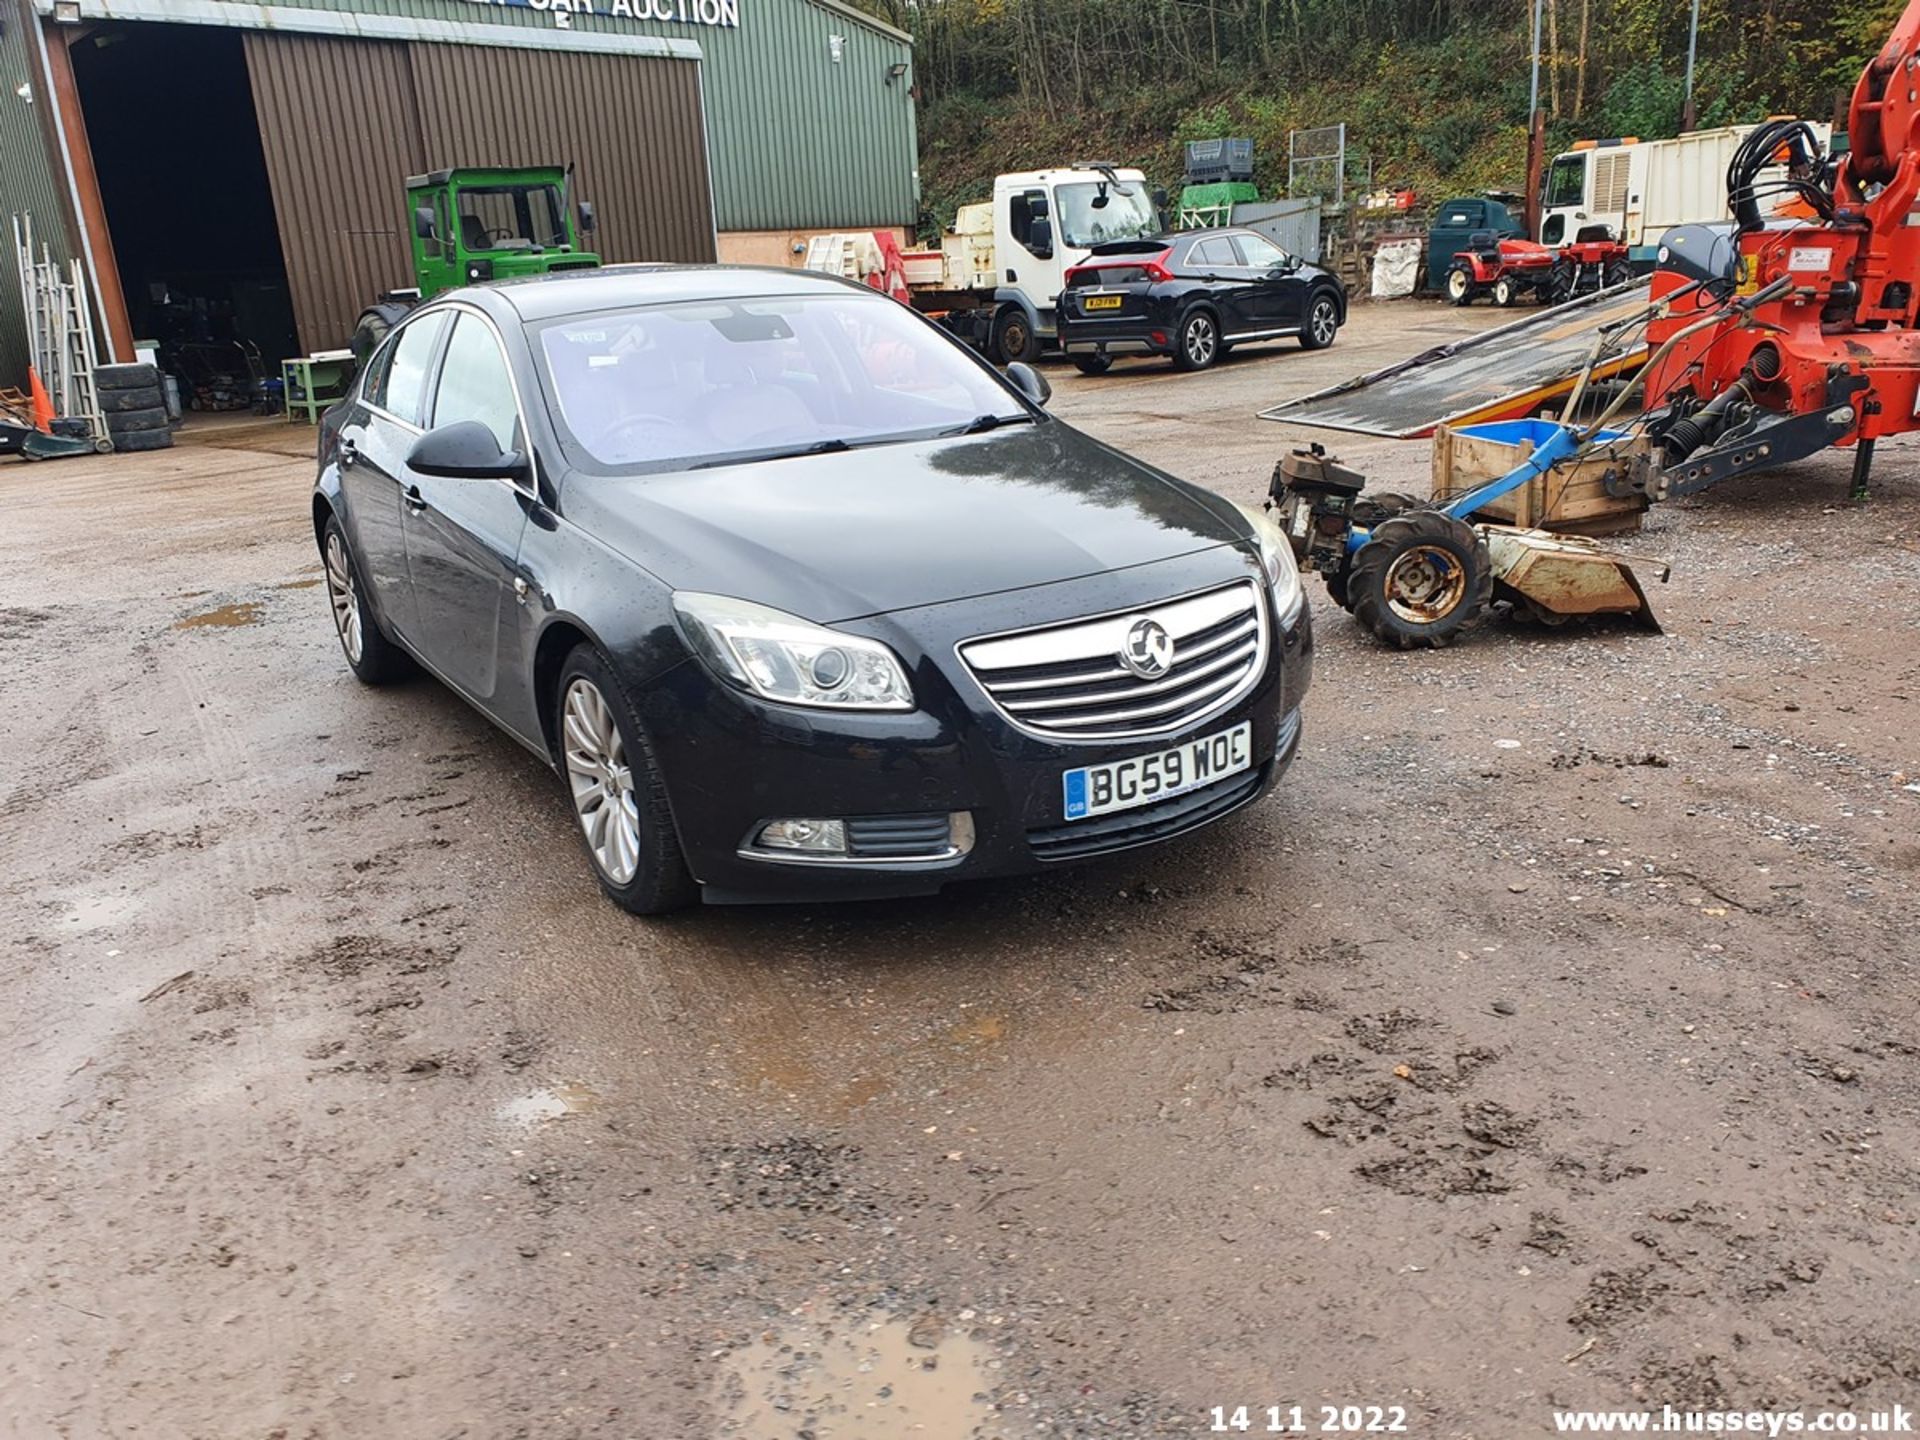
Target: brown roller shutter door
(631, 125)
(344, 122)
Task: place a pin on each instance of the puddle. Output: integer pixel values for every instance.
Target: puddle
(981, 1030)
(543, 1106)
(866, 1380)
(225, 617)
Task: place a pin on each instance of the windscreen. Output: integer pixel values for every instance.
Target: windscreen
(674, 386)
(511, 217)
(1096, 212)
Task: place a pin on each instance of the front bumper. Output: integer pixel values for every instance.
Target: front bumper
(732, 763)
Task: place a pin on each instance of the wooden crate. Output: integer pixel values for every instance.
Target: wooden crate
(1571, 498)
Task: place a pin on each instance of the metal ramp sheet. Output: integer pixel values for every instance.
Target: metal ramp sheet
(1497, 374)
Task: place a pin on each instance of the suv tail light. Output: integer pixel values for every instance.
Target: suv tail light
(1152, 269)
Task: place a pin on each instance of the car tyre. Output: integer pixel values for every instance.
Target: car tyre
(1422, 579)
(373, 658)
(1013, 337)
(128, 421)
(1093, 364)
(1460, 286)
(140, 376)
(1197, 345)
(613, 783)
(1323, 323)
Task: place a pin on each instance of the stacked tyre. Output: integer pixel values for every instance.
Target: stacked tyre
(134, 402)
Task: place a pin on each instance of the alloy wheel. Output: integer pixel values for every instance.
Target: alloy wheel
(1201, 341)
(602, 781)
(1324, 323)
(345, 598)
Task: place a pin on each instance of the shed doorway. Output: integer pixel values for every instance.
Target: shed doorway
(183, 180)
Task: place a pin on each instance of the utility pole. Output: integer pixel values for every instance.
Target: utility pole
(1536, 134)
(1687, 117)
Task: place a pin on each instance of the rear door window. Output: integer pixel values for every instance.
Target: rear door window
(1214, 254)
(403, 388)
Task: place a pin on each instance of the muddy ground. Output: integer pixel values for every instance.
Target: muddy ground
(1550, 1039)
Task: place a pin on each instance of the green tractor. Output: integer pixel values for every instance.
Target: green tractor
(474, 225)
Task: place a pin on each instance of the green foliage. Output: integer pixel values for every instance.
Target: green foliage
(1433, 92)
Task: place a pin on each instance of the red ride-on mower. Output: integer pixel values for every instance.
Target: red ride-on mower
(1594, 261)
(1510, 270)
(1503, 267)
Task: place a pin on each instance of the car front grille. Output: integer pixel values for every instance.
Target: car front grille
(1070, 682)
(1083, 838)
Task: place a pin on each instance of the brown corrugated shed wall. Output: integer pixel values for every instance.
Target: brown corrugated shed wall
(344, 122)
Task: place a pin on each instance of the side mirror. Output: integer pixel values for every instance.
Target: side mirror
(423, 221)
(1029, 382)
(1288, 266)
(587, 222)
(1040, 237)
(465, 450)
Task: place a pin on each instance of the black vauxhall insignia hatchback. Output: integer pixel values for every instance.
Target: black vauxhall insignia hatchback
(801, 598)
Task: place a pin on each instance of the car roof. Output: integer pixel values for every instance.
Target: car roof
(610, 287)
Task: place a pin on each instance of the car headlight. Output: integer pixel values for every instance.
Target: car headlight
(781, 657)
(1277, 563)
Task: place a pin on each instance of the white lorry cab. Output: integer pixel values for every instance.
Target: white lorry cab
(1637, 190)
(996, 277)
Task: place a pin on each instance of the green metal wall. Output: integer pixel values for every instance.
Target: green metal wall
(27, 181)
(798, 141)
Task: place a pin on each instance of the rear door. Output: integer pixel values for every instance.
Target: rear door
(1229, 282)
(374, 443)
(463, 536)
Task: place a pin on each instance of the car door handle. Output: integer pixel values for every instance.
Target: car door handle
(416, 502)
(349, 452)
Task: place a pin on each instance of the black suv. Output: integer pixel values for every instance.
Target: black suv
(1194, 296)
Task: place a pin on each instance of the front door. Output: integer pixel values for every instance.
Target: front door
(1278, 294)
(462, 536)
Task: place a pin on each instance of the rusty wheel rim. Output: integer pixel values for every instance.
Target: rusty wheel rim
(1426, 584)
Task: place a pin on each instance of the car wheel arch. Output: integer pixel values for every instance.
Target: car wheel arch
(558, 639)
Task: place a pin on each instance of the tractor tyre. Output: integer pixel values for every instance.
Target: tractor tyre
(1460, 287)
(1093, 364)
(1617, 273)
(1014, 338)
(1560, 282)
(1422, 579)
(126, 377)
(376, 322)
(143, 440)
(132, 421)
(1337, 589)
(1506, 290)
(120, 402)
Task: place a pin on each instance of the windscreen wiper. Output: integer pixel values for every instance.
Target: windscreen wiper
(754, 457)
(982, 423)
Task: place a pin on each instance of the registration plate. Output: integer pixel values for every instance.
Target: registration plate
(1103, 302)
(1122, 784)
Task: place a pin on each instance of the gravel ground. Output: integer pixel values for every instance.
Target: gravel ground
(1550, 1039)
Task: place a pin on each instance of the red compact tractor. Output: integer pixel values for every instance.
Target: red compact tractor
(1509, 269)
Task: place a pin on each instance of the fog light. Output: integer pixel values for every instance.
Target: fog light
(815, 837)
(1159, 337)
